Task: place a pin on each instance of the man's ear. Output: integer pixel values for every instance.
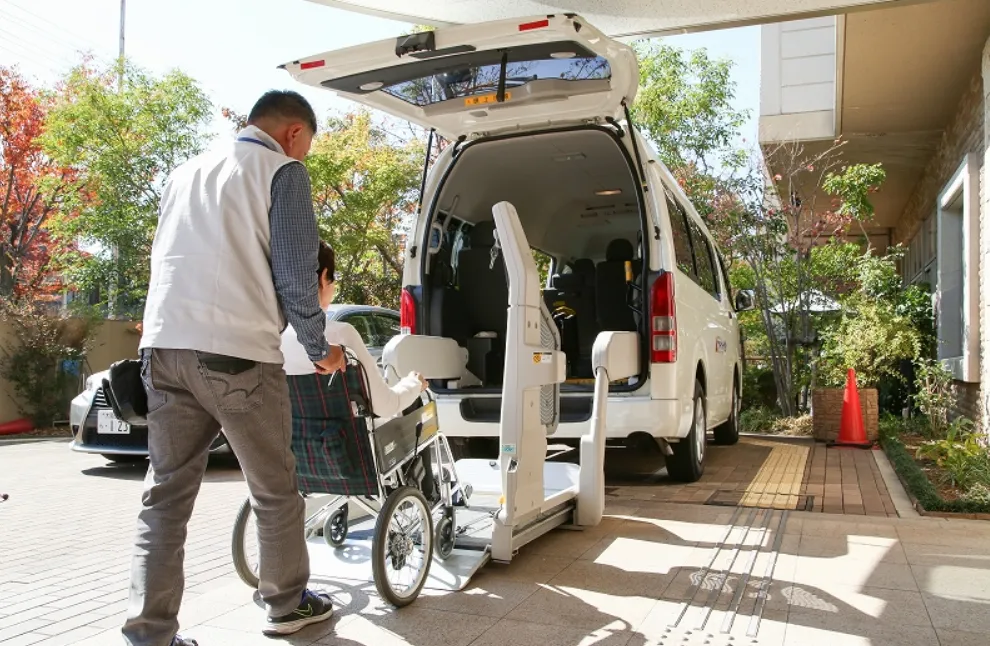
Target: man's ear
(294, 131)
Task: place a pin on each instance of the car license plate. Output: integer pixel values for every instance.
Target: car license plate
(108, 424)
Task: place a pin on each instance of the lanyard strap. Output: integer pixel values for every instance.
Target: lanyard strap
(254, 141)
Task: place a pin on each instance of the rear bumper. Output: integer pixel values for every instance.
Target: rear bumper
(625, 416)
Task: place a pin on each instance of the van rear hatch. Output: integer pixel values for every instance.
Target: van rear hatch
(485, 78)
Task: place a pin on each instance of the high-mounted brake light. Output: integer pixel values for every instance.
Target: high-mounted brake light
(529, 26)
(663, 320)
(312, 65)
(407, 312)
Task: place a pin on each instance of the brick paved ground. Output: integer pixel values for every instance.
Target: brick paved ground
(777, 473)
(840, 580)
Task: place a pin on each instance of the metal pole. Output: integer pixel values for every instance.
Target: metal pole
(115, 276)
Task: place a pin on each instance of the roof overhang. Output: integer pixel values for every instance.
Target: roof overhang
(618, 18)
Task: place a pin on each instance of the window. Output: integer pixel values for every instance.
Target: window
(725, 278)
(682, 241)
(703, 260)
(957, 275)
(473, 78)
(364, 326)
(386, 327)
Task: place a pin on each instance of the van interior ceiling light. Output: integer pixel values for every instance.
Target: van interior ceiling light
(563, 55)
(609, 191)
(372, 86)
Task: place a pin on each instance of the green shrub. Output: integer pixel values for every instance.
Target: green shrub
(962, 455)
(757, 420)
(34, 363)
(934, 397)
(917, 482)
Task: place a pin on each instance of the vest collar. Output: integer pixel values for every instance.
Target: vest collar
(254, 132)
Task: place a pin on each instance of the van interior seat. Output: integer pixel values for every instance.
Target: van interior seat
(447, 307)
(612, 306)
(484, 291)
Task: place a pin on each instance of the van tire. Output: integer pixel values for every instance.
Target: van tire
(727, 433)
(687, 464)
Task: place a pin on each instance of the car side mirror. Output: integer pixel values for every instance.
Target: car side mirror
(745, 300)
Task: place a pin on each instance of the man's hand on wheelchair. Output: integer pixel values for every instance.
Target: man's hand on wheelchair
(334, 361)
(421, 378)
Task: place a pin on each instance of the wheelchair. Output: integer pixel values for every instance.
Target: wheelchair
(400, 473)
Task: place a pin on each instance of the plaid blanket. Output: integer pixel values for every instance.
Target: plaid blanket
(330, 435)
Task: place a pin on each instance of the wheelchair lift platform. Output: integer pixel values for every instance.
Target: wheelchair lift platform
(519, 496)
(475, 524)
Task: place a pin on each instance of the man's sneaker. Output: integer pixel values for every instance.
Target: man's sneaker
(179, 641)
(313, 609)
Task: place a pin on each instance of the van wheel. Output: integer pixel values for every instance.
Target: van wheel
(687, 464)
(728, 433)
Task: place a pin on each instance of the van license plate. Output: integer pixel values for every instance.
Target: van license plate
(108, 424)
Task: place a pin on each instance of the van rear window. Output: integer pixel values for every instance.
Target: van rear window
(474, 77)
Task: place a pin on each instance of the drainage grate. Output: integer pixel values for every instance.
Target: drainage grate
(730, 498)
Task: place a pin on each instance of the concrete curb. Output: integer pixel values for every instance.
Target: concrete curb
(899, 496)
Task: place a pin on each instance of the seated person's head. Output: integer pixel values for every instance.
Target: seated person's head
(326, 272)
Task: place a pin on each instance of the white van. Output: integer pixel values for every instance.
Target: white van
(536, 113)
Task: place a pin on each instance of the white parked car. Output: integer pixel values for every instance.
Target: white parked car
(536, 113)
(95, 429)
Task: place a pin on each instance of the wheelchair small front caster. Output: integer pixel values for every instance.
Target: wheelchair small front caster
(446, 532)
(335, 527)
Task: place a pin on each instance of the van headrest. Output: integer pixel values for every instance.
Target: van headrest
(482, 235)
(568, 282)
(584, 266)
(619, 249)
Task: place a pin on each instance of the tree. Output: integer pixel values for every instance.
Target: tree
(35, 190)
(123, 142)
(778, 226)
(685, 106)
(365, 188)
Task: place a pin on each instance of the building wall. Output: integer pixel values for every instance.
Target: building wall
(114, 340)
(798, 80)
(965, 134)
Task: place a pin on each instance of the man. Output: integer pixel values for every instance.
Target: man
(234, 259)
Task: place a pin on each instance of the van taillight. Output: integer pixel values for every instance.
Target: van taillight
(663, 320)
(407, 312)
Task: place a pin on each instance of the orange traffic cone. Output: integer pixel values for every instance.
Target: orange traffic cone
(851, 430)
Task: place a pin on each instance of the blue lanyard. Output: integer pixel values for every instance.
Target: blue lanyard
(254, 141)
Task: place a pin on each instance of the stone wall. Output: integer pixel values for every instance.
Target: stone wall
(966, 133)
(827, 404)
(985, 249)
(967, 402)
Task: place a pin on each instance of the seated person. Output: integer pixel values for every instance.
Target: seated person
(386, 401)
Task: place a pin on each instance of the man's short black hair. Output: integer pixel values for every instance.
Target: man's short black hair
(283, 104)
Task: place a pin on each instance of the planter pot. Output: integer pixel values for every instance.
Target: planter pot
(826, 418)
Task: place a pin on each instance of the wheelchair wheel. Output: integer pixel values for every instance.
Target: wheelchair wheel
(445, 534)
(402, 548)
(244, 545)
(335, 527)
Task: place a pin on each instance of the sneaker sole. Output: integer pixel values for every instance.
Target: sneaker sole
(291, 627)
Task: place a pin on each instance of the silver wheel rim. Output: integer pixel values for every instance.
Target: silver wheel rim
(251, 546)
(699, 427)
(408, 535)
